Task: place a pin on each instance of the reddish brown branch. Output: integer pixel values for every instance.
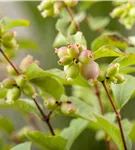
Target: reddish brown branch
(117, 115)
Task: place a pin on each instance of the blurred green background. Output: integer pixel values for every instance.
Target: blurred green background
(43, 32)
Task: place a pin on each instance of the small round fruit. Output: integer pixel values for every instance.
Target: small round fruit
(113, 69)
(21, 80)
(8, 83)
(101, 76)
(119, 78)
(73, 50)
(90, 71)
(28, 60)
(10, 44)
(8, 36)
(11, 70)
(62, 51)
(45, 5)
(68, 109)
(85, 56)
(28, 90)
(65, 60)
(50, 103)
(13, 94)
(71, 71)
(71, 3)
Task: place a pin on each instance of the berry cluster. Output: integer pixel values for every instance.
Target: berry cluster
(52, 8)
(18, 83)
(126, 13)
(76, 59)
(66, 107)
(7, 38)
(112, 74)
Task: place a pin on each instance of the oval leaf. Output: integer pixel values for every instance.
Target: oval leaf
(23, 146)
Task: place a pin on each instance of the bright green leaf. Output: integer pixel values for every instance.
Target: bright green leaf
(47, 142)
(111, 39)
(107, 51)
(127, 70)
(34, 71)
(50, 86)
(122, 92)
(22, 146)
(114, 132)
(132, 132)
(96, 23)
(6, 125)
(25, 106)
(127, 60)
(27, 44)
(16, 23)
(76, 127)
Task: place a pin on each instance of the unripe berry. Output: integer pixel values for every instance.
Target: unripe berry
(68, 108)
(113, 69)
(71, 71)
(28, 60)
(8, 36)
(71, 3)
(132, 12)
(13, 94)
(119, 78)
(85, 56)
(11, 70)
(50, 103)
(47, 13)
(8, 83)
(117, 12)
(73, 50)
(90, 71)
(101, 76)
(21, 80)
(62, 51)
(65, 60)
(28, 90)
(45, 5)
(80, 47)
(10, 44)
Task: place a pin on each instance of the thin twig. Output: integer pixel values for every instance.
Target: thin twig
(98, 94)
(73, 18)
(117, 114)
(45, 118)
(6, 57)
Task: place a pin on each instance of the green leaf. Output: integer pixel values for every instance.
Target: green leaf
(6, 125)
(111, 39)
(62, 25)
(25, 43)
(96, 23)
(59, 41)
(23, 146)
(127, 70)
(47, 142)
(122, 92)
(107, 51)
(33, 71)
(114, 132)
(127, 60)
(77, 38)
(132, 132)
(50, 86)
(25, 106)
(76, 127)
(16, 23)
